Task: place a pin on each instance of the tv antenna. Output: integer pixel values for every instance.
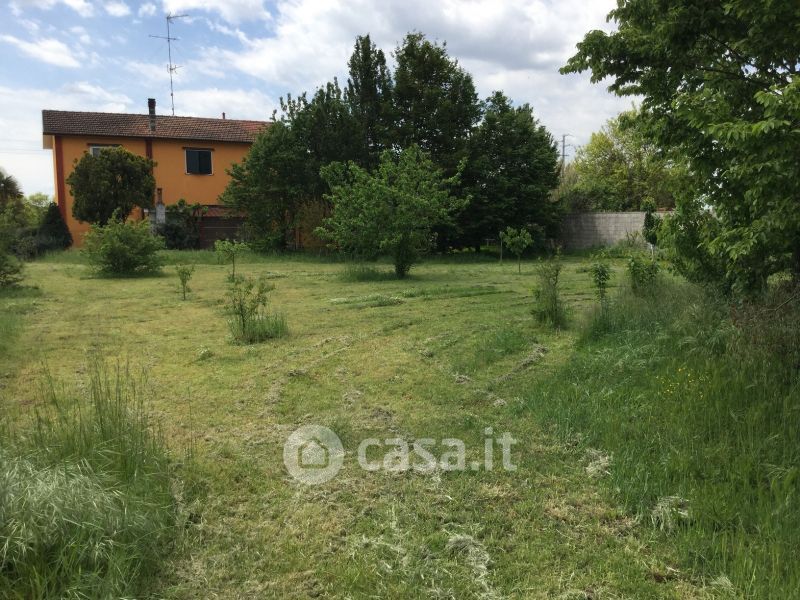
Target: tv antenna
(171, 67)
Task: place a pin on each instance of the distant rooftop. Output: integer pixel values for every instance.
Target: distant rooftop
(68, 122)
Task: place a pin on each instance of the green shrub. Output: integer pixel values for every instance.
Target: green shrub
(35, 238)
(549, 308)
(227, 251)
(53, 233)
(181, 227)
(123, 248)
(248, 320)
(10, 270)
(642, 272)
(185, 273)
(601, 274)
(86, 505)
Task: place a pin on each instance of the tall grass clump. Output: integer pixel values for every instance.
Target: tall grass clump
(355, 273)
(549, 308)
(249, 320)
(15, 302)
(86, 508)
(696, 399)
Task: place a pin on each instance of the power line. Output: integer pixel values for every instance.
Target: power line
(171, 67)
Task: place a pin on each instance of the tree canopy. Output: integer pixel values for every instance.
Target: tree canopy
(369, 95)
(720, 87)
(429, 102)
(621, 169)
(10, 190)
(393, 210)
(510, 169)
(114, 180)
(435, 101)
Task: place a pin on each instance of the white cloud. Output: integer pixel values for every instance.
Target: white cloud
(236, 104)
(148, 9)
(516, 46)
(21, 123)
(512, 45)
(47, 50)
(117, 9)
(82, 7)
(233, 11)
(93, 97)
(82, 35)
(150, 73)
(225, 30)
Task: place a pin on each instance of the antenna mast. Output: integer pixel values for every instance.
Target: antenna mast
(171, 67)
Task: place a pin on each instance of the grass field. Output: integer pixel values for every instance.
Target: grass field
(447, 353)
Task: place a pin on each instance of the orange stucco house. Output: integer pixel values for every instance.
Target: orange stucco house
(191, 154)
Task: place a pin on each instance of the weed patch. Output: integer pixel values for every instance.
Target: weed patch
(85, 494)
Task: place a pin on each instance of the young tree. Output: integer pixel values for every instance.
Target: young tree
(228, 250)
(511, 168)
(185, 273)
(651, 222)
(720, 87)
(391, 211)
(435, 101)
(114, 180)
(516, 240)
(369, 98)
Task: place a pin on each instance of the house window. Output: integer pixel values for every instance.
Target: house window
(198, 161)
(95, 149)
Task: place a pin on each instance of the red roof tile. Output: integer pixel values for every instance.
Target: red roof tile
(67, 122)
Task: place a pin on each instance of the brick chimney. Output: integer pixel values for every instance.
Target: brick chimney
(151, 109)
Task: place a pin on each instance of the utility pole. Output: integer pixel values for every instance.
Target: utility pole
(172, 68)
(564, 149)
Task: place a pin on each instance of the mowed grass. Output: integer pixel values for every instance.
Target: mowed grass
(447, 353)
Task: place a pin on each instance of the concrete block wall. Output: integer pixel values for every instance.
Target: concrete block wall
(593, 229)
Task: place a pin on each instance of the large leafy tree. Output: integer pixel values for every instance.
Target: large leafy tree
(392, 211)
(719, 82)
(113, 181)
(511, 168)
(280, 174)
(269, 185)
(621, 168)
(369, 98)
(435, 102)
(325, 129)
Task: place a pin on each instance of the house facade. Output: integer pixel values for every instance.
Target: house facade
(191, 154)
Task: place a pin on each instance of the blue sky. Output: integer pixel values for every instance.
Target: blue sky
(240, 56)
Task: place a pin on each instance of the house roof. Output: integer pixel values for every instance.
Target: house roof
(68, 122)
